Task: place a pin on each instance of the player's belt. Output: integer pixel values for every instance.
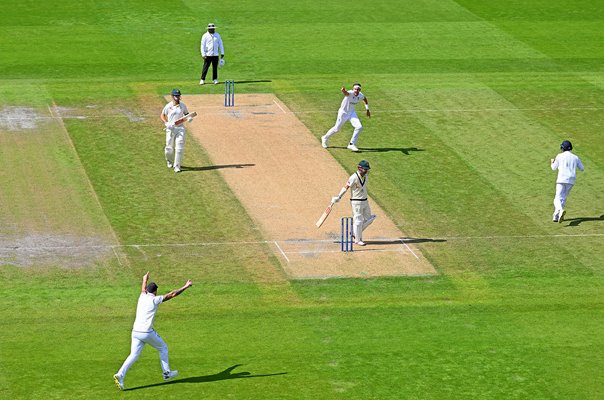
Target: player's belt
(358, 199)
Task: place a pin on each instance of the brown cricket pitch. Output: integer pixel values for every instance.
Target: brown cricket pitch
(285, 199)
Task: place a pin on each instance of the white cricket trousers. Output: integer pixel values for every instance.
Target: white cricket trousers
(175, 140)
(139, 339)
(341, 120)
(562, 191)
(361, 218)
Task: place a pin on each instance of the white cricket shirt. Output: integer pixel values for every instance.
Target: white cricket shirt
(145, 312)
(358, 187)
(567, 163)
(174, 112)
(348, 102)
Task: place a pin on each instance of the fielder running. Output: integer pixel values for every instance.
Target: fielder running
(348, 113)
(361, 213)
(143, 332)
(566, 163)
(175, 134)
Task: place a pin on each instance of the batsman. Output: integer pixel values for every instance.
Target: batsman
(361, 213)
(173, 115)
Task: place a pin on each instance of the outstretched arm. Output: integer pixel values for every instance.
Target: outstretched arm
(176, 292)
(344, 91)
(145, 280)
(337, 198)
(367, 107)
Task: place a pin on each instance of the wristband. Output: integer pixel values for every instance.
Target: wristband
(367, 107)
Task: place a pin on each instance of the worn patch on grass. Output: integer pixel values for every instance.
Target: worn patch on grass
(50, 215)
(14, 118)
(288, 182)
(54, 250)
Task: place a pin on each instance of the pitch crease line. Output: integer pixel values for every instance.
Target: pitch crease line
(409, 248)
(383, 111)
(278, 105)
(291, 242)
(281, 250)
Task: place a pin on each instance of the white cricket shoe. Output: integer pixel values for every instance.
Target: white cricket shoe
(561, 217)
(169, 163)
(352, 147)
(324, 142)
(215, 82)
(177, 169)
(119, 381)
(201, 82)
(170, 374)
(359, 243)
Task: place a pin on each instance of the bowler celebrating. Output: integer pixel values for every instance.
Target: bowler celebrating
(143, 332)
(348, 113)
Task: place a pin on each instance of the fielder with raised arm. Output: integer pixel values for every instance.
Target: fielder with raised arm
(348, 113)
(172, 113)
(143, 332)
(361, 213)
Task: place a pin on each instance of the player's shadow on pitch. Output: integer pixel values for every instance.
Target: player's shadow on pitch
(221, 376)
(579, 220)
(404, 240)
(255, 81)
(184, 168)
(405, 150)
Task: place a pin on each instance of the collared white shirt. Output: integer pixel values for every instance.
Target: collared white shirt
(358, 186)
(348, 102)
(174, 111)
(211, 44)
(567, 163)
(145, 312)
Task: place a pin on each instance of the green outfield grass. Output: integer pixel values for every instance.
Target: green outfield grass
(470, 99)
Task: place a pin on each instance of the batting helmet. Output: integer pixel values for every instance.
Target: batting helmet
(364, 164)
(175, 92)
(566, 145)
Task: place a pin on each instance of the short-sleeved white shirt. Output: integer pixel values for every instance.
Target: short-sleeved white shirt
(358, 186)
(174, 112)
(567, 163)
(145, 312)
(348, 102)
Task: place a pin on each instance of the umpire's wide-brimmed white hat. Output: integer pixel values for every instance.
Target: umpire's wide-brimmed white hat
(211, 26)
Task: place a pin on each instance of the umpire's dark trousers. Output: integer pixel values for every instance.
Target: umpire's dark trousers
(206, 65)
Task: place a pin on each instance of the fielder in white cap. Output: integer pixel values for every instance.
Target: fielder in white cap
(348, 113)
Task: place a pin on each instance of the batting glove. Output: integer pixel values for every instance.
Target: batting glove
(189, 119)
(335, 199)
(169, 125)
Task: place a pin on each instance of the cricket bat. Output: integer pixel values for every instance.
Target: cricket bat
(183, 119)
(325, 214)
